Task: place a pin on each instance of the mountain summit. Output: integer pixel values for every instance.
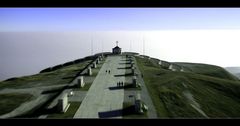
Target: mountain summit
(123, 85)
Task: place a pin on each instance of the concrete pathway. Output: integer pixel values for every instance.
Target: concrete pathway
(104, 99)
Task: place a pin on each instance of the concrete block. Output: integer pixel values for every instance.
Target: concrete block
(63, 104)
(89, 71)
(170, 67)
(160, 62)
(138, 104)
(182, 70)
(94, 65)
(80, 81)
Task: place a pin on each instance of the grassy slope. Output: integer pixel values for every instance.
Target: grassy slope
(217, 93)
(68, 114)
(60, 76)
(11, 101)
(209, 70)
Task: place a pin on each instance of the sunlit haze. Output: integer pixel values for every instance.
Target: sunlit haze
(34, 39)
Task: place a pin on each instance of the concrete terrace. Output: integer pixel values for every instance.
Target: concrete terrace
(104, 99)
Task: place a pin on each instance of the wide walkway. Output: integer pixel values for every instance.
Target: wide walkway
(104, 99)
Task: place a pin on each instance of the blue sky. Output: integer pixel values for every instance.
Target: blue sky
(92, 19)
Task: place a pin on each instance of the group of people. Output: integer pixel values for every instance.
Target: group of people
(120, 84)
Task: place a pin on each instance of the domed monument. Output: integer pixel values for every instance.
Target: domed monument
(116, 50)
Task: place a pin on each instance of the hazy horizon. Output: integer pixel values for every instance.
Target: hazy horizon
(32, 39)
(25, 53)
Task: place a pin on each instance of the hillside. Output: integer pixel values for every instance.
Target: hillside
(187, 90)
(39, 89)
(206, 92)
(209, 70)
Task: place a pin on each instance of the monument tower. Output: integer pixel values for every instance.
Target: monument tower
(116, 50)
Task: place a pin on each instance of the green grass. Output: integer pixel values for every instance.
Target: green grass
(96, 70)
(85, 88)
(68, 114)
(217, 93)
(94, 74)
(11, 101)
(209, 70)
(61, 76)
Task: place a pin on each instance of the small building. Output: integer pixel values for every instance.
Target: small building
(116, 50)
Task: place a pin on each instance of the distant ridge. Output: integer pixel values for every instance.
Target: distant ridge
(234, 70)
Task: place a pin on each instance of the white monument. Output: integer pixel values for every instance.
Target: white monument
(80, 82)
(63, 104)
(182, 70)
(138, 104)
(94, 65)
(171, 68)
(160, 62)
(89, 71)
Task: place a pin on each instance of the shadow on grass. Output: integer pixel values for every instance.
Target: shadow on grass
(57, 90)
(160, 74)
(40, 109)
(130, 110)
(70, 77)
(127, 86)
(84, 74)
(51, 91)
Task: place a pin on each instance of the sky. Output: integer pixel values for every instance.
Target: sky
(32, 39)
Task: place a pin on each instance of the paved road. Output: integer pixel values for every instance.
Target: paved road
(104, 99)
